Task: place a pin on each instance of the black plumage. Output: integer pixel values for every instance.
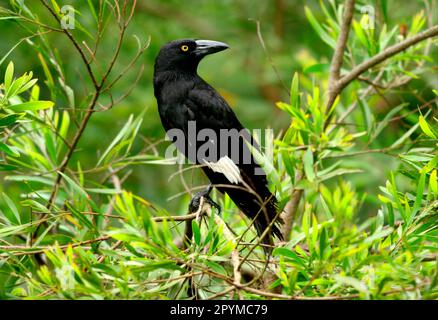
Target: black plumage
(183, 96)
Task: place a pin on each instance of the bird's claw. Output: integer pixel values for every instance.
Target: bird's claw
(196, 200)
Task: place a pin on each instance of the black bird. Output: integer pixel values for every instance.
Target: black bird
(184, 98)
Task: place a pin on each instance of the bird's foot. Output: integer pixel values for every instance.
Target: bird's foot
(196, 200)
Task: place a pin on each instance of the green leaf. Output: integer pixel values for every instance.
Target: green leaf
(265, 162)
(426, 129)
(419, 195)
(12, 213)
(31, 106)
(10, 119)
(80, 216)
(13, 230)
(6, 167)
(432, 164)
(56, 7)
(216, 267)
(49, 78)
(288, 163)
(323, 242)
(122, 133)
(367, 114)
(35, 93)
(196, 232)
(9, 74)
(363, 38)
(353, 282)
(392, 188)
(37, 179)
(153, 266)
(77, 190)
(318, 28)
(10, 151)
(314, 231)
(49, 142)
(27, 86)
(35, 205)
(404, 137)
(382, 124)
(317, 68)
(285, 107)
(337, 172)
(378, 235)
(63, 130)
(308, 165)
(103, 191)
(384, 7)
(385, 37)
(433, 184)
(285, 252)
(294, 92)
(390, 215)
(93, 11)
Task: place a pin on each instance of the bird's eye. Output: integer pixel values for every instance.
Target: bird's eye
(185, 48)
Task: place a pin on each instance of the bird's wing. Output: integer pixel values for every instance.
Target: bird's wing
(211, 111)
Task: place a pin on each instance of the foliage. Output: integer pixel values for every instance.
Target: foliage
(73, 227)
(14, 110)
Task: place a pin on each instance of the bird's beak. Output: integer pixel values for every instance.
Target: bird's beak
(205, 47)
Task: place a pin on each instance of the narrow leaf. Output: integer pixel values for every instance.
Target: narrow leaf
(31, 106)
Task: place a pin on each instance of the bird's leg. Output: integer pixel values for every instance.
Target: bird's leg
(194, 203)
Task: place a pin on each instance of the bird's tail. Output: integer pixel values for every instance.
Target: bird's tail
(263, 214)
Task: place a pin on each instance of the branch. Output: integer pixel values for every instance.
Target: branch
(338, 56)
(97, 93)
(72, 148)
(336, 85)
(75, 43)
(235, 259)
(291, 209)
(262, 42)
(41, 249)
(384, 55)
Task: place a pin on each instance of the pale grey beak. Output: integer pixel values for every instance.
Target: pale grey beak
(205, 47)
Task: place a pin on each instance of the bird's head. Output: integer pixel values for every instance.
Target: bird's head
(185, 54)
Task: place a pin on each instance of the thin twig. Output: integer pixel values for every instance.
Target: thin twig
(291, 208)
(384, 55)
(262, 42)
(338, 55)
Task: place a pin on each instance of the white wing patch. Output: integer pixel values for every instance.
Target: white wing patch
(228, 168)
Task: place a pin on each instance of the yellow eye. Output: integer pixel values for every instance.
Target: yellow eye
(184, 48)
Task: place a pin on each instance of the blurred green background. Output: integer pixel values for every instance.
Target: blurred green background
(244, 75)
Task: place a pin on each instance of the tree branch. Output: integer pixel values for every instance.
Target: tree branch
(384, 55)
(336, 85)
(75, 43)
(338, 56)
(97, 93)
(291, 208)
